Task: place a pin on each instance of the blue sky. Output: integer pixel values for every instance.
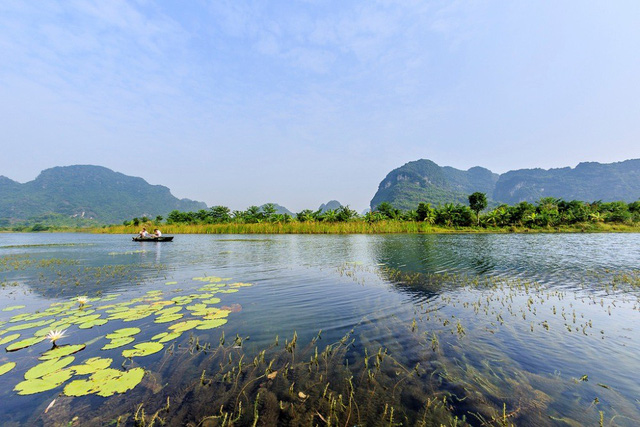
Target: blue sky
(299, 102)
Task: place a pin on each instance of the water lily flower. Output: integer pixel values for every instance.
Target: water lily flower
(54, 336)
(82, 301)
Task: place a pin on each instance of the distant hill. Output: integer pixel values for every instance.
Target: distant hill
(330, 205)
(89, 192)
(279, 209)
(425, 181)
(588, 182)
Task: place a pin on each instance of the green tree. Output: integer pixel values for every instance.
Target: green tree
(477, 202)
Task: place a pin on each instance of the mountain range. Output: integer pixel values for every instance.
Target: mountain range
(425, 181)
(87, 192)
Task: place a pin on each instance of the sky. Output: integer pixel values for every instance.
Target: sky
(241, 103)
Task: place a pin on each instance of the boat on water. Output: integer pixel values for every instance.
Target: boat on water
(153, 239)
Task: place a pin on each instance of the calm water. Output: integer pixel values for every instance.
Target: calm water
(528, 329)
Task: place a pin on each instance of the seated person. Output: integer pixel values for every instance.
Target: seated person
(157, 233)
(144, 232)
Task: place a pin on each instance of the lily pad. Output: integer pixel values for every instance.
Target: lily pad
(118, 342)
(45, 383)
(92, 365)
(124, 332)
(29, 325)
(6, 367)
(105, 383)
(9, 338)
(18, 345)
(185, 326)
(47, 367)
(168, 318)
(211, 301)
(143, 349)
(13, 307)
(92, 323)
(170, 337)
(65, 350)
(171, 283)
(169, 310)
(210, 324)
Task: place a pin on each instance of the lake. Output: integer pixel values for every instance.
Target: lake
(478, 329)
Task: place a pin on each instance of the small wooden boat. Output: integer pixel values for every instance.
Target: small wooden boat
(153, 239)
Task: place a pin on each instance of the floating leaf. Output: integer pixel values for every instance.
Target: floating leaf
(143, 349)
(118, 342)
(228, 291)
(211, 301)
(185, 326)
(170, 337)
(9, 338)
(45, 383)
(18, 345)
(169, 310)
(13, 307)
(29, 325)
(47, 367)
(210, 324)
(105, 383)
(171, 283)
(7, 367)
(65, 350)
(91, 324)
(124, 332)
(168, 318)
(91, 365)
(160, 335)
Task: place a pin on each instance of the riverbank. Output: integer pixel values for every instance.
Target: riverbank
(362, 227)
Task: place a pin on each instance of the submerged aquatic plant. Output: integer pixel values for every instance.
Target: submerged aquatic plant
(54, 336)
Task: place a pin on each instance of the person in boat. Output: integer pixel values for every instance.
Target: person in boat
(157, 233)
(144, 233)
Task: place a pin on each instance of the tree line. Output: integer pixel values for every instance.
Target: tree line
(546, 212)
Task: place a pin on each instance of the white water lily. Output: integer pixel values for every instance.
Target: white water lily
(54, 336)
(82, 301)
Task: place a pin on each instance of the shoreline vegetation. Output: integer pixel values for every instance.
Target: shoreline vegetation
(362, 227)
(548, 215)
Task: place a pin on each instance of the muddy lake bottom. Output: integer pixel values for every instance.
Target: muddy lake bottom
(235, 330)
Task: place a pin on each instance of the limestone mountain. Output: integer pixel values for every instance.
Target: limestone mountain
(330, 205)
(85, 191)
(425, 181)
(589, 181)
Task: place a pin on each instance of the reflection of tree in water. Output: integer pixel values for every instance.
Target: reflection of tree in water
(422, 265)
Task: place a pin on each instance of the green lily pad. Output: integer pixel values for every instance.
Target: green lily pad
(45, 383)
(185, 326)
(168, 318)
(124, 332)
(92, 323)
(91, 365)
(143, 349)
(210, 324)
(169, 310)
(228, 291)
(4, 368)
(18, 345)
(47, 367)
(13, 307)
(118, 342)
(105, 383)
(65, 350)
(29, 325)
(171, 283)
(170, 337)
(9, 338)
(211, 301)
